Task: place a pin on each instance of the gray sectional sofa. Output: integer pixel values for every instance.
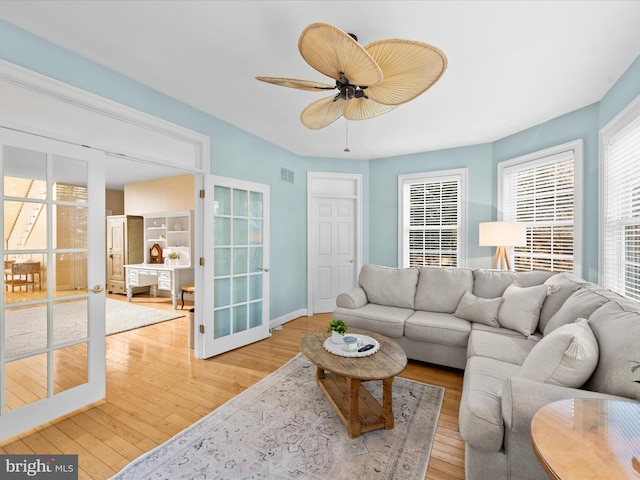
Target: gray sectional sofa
(523, 339)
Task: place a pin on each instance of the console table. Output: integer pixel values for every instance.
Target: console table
(159, 277)
(588, 438)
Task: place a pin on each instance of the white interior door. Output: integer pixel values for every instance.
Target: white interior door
(52, 333)
(333, 246)
(236, 270)
(334, 236)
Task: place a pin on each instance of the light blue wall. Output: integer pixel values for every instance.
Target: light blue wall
(584, 123)
(383, 236)
(579, 124)
(235, 153)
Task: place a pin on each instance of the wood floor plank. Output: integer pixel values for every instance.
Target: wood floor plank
(156, 388)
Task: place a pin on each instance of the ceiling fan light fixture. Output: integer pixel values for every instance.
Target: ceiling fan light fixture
(371, 81)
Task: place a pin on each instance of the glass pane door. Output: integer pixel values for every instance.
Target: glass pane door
(238, 279)
(45, 352)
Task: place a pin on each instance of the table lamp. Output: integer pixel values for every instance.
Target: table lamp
(502, 235)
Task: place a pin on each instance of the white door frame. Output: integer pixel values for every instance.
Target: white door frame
(124, 119)
(332, 185)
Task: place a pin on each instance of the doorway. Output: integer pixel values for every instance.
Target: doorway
(334, 233)
(84, 124)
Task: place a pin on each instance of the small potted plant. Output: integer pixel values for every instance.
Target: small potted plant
(338, 328)
(172, 258)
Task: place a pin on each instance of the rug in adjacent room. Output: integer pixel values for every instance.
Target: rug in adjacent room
(26, 327)
(284, 427)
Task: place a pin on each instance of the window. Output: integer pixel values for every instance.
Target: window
(620, 203)
(432, 216)
(543, 190)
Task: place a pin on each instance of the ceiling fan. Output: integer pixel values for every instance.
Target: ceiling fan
(371, 80)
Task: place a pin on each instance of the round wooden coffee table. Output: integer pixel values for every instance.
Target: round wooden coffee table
(588, 438)
(340, 379)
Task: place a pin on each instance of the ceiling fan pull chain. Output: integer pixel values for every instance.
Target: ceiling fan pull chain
(346, 135)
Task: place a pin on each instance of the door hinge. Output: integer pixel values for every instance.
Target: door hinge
(202, 261)
(201, 328)
(202, 193)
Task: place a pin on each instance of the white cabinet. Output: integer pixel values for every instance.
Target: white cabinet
(124, 246)
(172, 232)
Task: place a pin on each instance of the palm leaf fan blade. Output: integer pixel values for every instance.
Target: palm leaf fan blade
(299, 84)
(322, 113)
(333, 53)
(362, 109)
(409, 69)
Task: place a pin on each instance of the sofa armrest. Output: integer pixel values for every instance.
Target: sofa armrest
(522, 398)
(354, 298)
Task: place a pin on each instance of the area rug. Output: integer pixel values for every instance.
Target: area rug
(25, 327)
(284, 427)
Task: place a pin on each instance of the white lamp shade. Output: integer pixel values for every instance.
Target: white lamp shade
(503, 234)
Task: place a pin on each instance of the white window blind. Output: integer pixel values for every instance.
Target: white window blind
(541, 193)
(432, 216)
(620, 235)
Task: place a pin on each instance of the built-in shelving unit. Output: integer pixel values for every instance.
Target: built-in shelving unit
(173, 232)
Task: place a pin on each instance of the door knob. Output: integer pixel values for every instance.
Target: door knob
(97, 289)
(263, 269)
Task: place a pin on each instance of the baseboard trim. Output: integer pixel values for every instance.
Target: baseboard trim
(276, 322)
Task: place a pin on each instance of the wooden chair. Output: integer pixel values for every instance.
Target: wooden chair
(189, 289)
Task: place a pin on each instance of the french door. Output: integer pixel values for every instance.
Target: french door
(52, 309)
(236, 274)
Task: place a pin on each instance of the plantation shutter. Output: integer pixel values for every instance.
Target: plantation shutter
(621, 211)
(540, 193)
(434, 222)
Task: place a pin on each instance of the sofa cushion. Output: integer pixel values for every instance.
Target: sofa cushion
(491, 283)
(562, 285)
(581, 304)
(394, 287)
(616, 326)
(382, 319)
(506, 348)
(520, 308)
(566, 357)
(437, 327)
(476, 309)
(532, 278)
(480, 416)
(441, 288)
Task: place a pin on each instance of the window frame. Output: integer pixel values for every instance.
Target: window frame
(540, 157)
(460, 174)
(623, 120)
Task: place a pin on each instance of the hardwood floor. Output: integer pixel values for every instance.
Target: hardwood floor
(156, 388)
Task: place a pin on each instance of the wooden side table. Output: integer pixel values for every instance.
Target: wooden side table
(588, 439)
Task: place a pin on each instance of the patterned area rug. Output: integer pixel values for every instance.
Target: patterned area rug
(26, 327)
(284, 427)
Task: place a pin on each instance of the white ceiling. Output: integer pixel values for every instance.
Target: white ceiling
(512, 64)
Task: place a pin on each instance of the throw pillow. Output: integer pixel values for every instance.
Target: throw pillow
(567, 356)
(581, 304)
(563, 285)
(520, 308)
(481, 310)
